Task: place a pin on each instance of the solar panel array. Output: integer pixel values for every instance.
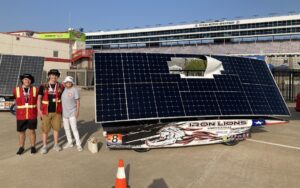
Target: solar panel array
(139, 86)
(12, 66)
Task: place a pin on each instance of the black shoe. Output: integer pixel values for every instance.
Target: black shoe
(20, 151)
(33, 150)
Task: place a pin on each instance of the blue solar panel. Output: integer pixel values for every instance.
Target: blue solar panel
(140, 86)
(12, 66)
(140, 99)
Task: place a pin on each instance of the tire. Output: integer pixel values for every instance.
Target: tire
(141, 150)
(231, 143)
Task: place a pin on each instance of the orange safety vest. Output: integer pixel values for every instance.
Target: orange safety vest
(45, 99)
(26, 111)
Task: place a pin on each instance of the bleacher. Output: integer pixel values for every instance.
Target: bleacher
(258, 48)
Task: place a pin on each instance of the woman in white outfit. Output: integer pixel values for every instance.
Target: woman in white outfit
(70, 104)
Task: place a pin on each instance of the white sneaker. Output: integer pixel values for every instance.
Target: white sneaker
(79, 148)
(57, 148)
(68, 145)
(44, 150)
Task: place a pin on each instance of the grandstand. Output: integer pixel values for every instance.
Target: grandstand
(277, 38)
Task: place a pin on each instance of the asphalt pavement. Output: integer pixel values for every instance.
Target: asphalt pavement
(270, 158)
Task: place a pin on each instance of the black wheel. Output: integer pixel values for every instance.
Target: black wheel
(231, 143)
(141, 150)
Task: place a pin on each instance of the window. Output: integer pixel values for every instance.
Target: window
(55, 53)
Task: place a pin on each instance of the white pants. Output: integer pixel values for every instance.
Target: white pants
(73, 122)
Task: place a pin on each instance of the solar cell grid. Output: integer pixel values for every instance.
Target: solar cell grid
(34, 66)
(233, 103)
(257, 99)
(11, 66)
(273, 97)
(9, 71)
(228, 83)
(264, 75)
(168, 99)
(140, 97)
(137, 86)
(196, 103)
(201, 84)
(111, 103)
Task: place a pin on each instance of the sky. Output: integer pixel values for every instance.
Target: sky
(94, 15)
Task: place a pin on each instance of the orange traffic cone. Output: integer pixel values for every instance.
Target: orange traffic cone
(121, 177)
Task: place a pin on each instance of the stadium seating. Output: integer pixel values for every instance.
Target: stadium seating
(258, 48)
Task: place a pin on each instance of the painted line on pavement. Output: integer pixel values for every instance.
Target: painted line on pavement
(274, 144)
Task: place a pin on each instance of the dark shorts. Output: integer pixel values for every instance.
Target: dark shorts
(22, 125)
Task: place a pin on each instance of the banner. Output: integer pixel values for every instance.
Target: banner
(72, 35)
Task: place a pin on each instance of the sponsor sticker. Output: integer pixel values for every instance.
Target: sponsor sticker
(239, 137)
(114, 139)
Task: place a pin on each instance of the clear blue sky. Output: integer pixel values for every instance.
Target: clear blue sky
(93, 15)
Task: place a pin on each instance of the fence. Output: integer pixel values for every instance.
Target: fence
(288, 82)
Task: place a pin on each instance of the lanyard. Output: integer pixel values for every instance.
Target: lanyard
(51, 90)
(26, 94)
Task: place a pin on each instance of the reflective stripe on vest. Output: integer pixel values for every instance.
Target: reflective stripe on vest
(26, 113)
(18, 92)
(57, 100)
(26, 106)
(34, 91)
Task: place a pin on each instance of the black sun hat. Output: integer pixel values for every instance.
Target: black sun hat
(54, 72)
(29, 76)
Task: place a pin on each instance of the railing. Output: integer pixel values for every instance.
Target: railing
(82, 53)
(288, 82)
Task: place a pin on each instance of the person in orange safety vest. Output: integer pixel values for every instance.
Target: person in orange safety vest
(26, 111)
(50, 108)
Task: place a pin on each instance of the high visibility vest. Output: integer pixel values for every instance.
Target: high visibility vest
(45, 99)
(26, 110)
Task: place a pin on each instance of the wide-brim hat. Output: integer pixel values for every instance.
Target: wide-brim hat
(29, 76)
(54, 72)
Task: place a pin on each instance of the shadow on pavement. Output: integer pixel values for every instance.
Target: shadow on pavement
(257, 130)
(85, 129)
(158, 183)
(294, 114)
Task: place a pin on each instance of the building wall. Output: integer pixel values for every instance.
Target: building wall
(56, 65)
(18, 45)
(77, 45)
